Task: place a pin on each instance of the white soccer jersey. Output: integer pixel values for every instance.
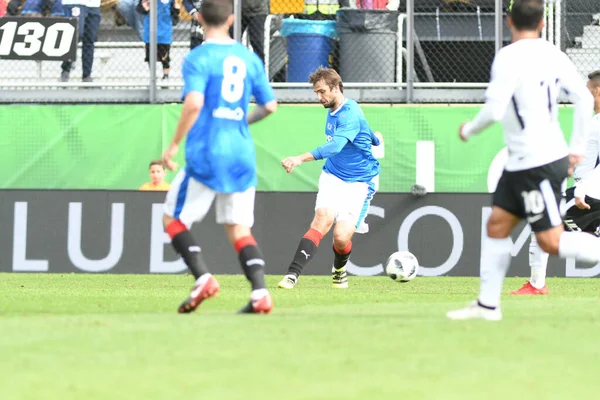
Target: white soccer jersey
(587, 173)
(527, 77)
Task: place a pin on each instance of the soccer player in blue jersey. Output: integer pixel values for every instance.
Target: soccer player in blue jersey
(219, 78)
(348, 180)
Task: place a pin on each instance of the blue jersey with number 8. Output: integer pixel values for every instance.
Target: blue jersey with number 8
(219, 150)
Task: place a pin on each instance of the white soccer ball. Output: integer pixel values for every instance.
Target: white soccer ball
(402, 266)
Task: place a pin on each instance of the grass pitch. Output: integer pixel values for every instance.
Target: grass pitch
(119, 337)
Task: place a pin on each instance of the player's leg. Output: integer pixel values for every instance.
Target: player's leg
(236, 212)
(342, 247)
(549, 228)
(188, 201)
(354, 205)
(164, 51)
(325, 212)
(507, 211)
(538, 262)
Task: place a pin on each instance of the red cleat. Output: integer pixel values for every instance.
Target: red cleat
(528, 290)
(200, 292)
(264, 305)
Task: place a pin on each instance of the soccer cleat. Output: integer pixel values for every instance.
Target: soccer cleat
(340, 278)
(262, 305)
(475, 311)
(528, 290)
(288, 281)
(201, 291)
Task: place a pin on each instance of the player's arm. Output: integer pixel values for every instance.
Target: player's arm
(498, 94)
(266, 104)
(346, 130)
(194, 86)
(583, 102)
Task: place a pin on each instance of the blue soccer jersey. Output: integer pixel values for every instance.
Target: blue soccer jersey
(355, 162)
(219, 150)
(164, 23)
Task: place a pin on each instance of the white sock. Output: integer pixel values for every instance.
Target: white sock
(580, 246)
(202, 279)
(495, 260)
(258, 294)
(538, 261)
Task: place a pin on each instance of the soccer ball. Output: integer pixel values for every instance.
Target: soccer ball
(402, 266)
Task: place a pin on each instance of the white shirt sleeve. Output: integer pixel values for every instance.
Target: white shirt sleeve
(583, 101)
(592, 154)
(497, 96)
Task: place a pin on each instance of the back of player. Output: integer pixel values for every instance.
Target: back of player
(219, 149)
(219, 78)
(530, 75)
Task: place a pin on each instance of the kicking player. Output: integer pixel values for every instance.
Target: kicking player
(347, 182)
(526, 78)
(583, 200)
(219, 78)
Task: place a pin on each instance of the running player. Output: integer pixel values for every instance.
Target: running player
(526, 78)
(348, 180)
(583, 200)
(219, 78)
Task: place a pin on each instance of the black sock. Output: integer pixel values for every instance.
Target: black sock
(184, 244)
(306, 250)
(339, 260)
(253, 266)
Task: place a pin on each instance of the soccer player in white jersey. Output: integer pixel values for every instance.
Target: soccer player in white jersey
(347, 183)
(583, 200)
(527, 76)
(220, 76)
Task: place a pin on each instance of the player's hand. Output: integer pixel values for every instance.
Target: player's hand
(168, 156)
(379, 136)
(573, 161)
(290, 163)
(460, 132)
(581, 204)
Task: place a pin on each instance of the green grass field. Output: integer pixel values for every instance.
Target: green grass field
(119, 337)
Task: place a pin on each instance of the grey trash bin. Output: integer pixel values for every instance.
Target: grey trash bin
(367, 44)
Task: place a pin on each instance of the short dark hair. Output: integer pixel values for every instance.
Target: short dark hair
(156, 162)
(595, 78)
(527, 14)
(216, 12)
(329, 76)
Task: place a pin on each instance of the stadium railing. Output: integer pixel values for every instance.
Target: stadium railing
(450, 50)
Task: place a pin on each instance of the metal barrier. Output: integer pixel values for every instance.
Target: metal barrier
(445, 57)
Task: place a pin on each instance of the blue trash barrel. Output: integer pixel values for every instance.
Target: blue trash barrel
(308, 46)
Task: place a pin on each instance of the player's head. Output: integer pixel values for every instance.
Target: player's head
(594, 85)
(157, 171)
(217, 13)
(328, 86)
(526, 15)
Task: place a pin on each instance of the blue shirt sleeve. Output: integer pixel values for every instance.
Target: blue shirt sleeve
(348, 125)
(261, 90)
(331, 148)
(195, 77)
(374, 139)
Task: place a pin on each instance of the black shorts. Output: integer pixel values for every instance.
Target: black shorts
(534, 194)
(579, 220)
(162, 54)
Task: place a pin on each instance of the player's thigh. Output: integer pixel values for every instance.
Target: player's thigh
(236, 208)
(188, 200)
(331, 192)
(541, 193)
(355, 204)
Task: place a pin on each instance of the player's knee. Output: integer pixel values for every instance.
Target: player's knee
(342, 235)
(548, 241)
(167, 220)
(498, 228)
(323, 220)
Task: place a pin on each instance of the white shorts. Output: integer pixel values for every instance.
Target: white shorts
(349, 200)
(189, 201)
